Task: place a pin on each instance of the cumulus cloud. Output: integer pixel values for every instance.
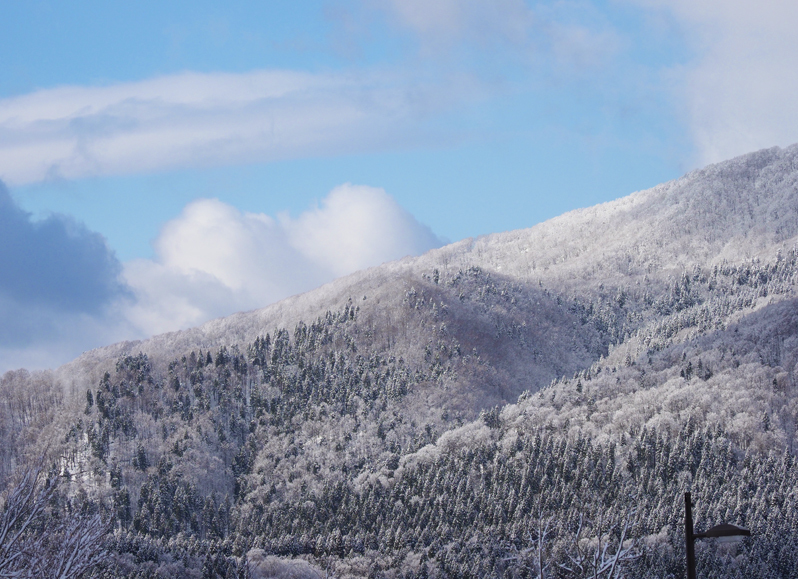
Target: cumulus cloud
(737, 94)
(356, 227)
(196, 120)
(213, 259)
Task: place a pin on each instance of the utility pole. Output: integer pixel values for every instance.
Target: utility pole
(688, 536)
(723, 531)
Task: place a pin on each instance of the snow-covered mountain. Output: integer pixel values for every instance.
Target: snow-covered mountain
(731, 212)
(641, 336)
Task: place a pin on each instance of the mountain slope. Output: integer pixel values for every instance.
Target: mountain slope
(427, 415)
(737, 210)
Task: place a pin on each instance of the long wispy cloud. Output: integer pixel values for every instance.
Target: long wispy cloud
(197, 120)
(211, 119)
(734, 93)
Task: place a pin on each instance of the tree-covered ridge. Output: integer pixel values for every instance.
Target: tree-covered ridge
(474, 511)
(311, 444)
(172, 452)
(523, 405)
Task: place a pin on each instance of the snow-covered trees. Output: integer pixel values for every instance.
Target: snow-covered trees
(657, 347)
(601, 550)
(38, 541)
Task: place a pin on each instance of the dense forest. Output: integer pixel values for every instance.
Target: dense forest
(448, 419)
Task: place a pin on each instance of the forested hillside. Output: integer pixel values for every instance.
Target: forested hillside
(529, 404)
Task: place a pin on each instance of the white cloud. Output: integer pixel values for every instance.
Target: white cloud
(569, 34)
(214, 119)
(193, 119)
(357, 227)
(483, 20)
(735, 93)
(738, 93)
(214, 260)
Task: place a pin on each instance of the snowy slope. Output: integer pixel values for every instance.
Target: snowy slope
(743, 208)
(430, 405)
(733, 211)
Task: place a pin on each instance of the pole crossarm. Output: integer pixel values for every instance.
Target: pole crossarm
(718, 531)
(723, 530)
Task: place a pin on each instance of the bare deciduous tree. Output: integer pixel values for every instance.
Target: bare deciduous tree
(599, 551)
(35, 543)
(534, 557)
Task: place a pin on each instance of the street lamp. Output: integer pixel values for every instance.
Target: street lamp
(723, 531)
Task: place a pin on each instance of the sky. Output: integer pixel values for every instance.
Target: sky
(166, 163)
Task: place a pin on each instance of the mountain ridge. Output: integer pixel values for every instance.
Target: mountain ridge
(551, 249)
(431, 417)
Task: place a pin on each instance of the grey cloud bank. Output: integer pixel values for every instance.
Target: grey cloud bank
(53, 266)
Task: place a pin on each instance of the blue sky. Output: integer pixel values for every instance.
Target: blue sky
(163, 148)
